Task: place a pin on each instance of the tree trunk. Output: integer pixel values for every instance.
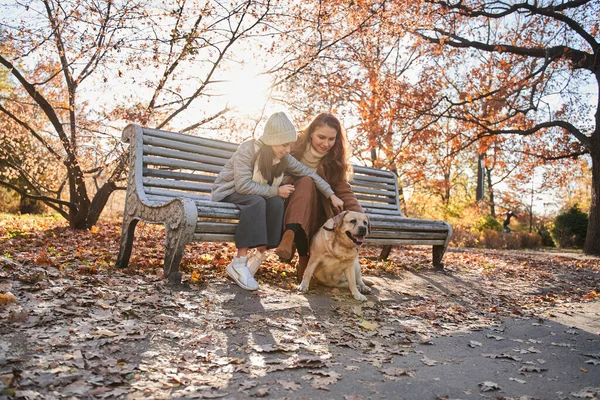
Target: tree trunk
(592, 238)
(29, 206)
(491, 192)
(479, 193)
(99, 202)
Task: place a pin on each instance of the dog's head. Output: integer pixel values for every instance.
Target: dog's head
(354, 225)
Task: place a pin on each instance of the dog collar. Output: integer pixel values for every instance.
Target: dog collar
(328, 229)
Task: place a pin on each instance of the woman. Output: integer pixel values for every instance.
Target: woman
(252, 180)
(322, 148)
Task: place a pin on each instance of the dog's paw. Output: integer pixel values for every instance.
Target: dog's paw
(303, 288)
(364, 289)
(360, 297)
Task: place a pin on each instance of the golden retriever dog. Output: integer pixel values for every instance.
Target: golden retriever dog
(334, 254)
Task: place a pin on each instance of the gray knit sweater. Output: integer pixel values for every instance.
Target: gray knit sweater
(236, 175)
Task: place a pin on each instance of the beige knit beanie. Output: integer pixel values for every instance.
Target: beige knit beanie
(279, 130)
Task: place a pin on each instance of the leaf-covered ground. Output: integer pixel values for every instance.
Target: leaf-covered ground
(73, 326)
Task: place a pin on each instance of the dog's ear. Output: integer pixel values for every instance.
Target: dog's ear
(338, 220)
(329, 224)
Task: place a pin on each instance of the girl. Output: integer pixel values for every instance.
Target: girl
(321, 148)
(252, 179)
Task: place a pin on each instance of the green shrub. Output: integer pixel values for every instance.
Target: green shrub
(545, 236)
(570, 228)
(490, 239)
(529, 240)
(462, 237)
(487, 222)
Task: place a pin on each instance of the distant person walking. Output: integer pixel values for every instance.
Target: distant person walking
(509, 215)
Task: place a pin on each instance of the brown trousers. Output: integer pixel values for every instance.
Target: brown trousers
(306, 207)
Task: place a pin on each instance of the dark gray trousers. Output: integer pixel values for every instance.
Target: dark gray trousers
(261, 220)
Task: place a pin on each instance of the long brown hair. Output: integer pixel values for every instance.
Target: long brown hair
(264, 158)
(334, 163)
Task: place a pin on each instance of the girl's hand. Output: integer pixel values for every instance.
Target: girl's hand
(337, 204)
(285, 191)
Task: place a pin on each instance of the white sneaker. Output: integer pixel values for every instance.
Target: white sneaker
(255, 261)
(238, 271)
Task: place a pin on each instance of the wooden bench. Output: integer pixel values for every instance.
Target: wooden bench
(170, 177)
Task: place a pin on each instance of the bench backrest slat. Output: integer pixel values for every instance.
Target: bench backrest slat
(177, 175)
(177, 185)
(366, 180)
(187, 147)
(376, 202)
(180, 137)
(184, 155)
(180, 164)
(175, 193)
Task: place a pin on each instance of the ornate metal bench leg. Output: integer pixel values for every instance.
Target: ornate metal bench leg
(175, 246)
(126, 243)
(385, 252)
(438, 253)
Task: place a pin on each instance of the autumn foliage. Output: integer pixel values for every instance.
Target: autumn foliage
(424, 88)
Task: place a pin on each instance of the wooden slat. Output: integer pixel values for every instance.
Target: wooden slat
(358, 169)
(393, 242)
(394, 218)
(217, 213)
(375, 200)
(178, 175)
(213, 237)
(378, 206)
(374, 179)
(215, 144)
(184, 155)
(216, 204)
(418, 235)
(177, 185)
(372, 185)
(422, 226)
(215, 227)
(174, 193)
(182, 164)
(375, 192)
(187, 147)
(379, 212)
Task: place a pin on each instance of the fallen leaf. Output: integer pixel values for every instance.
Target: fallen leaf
(503, 355)
(587, 393)
(371, 326)
(398, 372)
(7, 298)
(105, 333)
(517, 380)
(428, 361)
(289, 385)
(529, 368)
(488, 386)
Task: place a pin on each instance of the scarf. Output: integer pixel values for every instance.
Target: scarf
(259, 178)
(311, 157)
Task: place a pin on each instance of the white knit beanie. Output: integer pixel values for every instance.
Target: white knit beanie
(279, 130)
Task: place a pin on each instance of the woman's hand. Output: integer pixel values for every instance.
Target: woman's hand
(337, 204)
(285, 191)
